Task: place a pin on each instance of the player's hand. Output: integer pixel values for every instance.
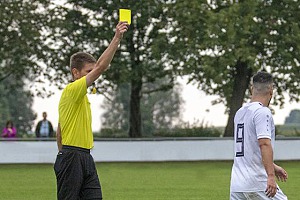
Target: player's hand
(271, 187)
(281, 174)
(121, 28)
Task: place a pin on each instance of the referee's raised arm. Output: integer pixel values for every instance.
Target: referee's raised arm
(105, 59)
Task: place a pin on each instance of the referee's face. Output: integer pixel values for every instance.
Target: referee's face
(87, 68)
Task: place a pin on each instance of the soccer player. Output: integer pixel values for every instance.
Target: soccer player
(254, 172)
(74, 167)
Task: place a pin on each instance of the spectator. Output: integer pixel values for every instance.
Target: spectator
(9, 131)
(44, 127)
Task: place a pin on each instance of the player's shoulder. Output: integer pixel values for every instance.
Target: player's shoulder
(257, 106)
(263, 110)
(254, 108)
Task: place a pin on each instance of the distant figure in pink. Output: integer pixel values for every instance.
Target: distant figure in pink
(9, 131)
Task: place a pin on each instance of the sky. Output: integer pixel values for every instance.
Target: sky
(197, 107)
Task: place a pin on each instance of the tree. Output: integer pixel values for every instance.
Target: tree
(293, 118)
(158, 110)
(228, 41)
(162, 109)
(15, 105)
(23, 40)
(4, 107)
(88, 26)
(116, 107)
(26, 52)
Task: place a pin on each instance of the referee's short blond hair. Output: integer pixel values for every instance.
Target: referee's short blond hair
(79, 59)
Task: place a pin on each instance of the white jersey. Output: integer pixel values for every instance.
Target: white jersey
(252, 122)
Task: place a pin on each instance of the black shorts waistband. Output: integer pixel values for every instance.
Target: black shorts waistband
(67, 147)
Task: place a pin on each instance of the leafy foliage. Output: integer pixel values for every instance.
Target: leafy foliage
(15, 105)
(88, 26)
(23, 40)
(189, 132)
(159, 109)
(234, 36)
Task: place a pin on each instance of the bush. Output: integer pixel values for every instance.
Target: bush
(111, 133)
(196, 129)
(288, 130)
(188, 132)
(175, 132)
(24, 134)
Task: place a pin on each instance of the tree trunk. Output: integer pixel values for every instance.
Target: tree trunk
(240, 85)
(135, 121)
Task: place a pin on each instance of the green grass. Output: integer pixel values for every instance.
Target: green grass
(135, 181)
(24, 182)
(165, 181)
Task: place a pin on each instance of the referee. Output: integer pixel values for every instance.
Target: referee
(74, 167)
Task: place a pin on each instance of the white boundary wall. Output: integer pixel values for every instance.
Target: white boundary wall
(141, 150)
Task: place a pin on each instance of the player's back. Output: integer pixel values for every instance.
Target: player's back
(248, 173)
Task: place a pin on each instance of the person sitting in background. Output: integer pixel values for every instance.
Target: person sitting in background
(44, 127)
(9, 131)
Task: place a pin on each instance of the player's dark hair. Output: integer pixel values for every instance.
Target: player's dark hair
(79, 59)
(262, 82)
(262, 77)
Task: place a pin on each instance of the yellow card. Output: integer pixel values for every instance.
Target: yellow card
(125, 15)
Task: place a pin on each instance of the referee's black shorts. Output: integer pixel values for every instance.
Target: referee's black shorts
(76, 175)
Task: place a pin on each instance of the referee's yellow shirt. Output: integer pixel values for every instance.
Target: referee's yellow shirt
(75, 117)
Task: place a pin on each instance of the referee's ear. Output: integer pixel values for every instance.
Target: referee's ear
(251, 89)
(75, 73)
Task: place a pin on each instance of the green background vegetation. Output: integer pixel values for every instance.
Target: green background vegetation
(215, 45)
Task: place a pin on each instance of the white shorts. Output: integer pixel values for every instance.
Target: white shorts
(260, 195)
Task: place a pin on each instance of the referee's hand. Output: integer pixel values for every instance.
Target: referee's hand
(121, 28)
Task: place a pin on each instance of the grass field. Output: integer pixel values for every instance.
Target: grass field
(138, 181)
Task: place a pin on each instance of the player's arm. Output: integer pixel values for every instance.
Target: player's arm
(280, 173)
(105, 59)
(267, 159)
(58, 138)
